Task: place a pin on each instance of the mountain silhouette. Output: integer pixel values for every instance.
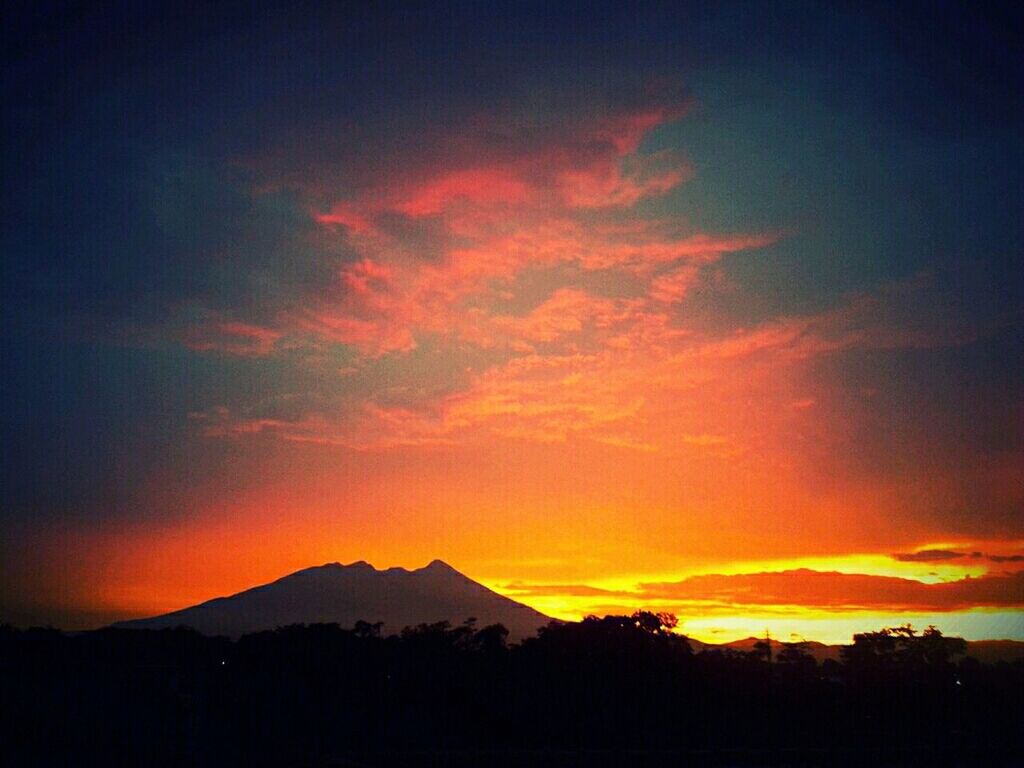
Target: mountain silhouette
(345, 594)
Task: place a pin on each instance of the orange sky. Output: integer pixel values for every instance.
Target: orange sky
(697, 341)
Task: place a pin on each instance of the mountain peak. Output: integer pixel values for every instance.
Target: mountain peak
(438, 565)
(360, 565)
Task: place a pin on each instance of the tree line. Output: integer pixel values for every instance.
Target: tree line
(603, 691)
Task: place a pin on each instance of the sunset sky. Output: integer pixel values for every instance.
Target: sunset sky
(713, 308)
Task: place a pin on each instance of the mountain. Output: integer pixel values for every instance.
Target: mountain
(345, 594)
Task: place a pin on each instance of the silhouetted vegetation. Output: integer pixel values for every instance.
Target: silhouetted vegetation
(617, 690)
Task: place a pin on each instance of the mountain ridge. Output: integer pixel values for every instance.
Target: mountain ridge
(344, 594)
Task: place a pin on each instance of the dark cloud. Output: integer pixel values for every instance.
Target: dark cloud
(939, 555)
(927, 556)
(1006, 558)
(843, 591)
(807, 588)
(517, 589)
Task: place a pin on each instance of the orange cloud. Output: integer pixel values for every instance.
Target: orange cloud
(844, 591)
(366, 311)
(674, 284)
(618, 371)
(477, 186)
(587, 162)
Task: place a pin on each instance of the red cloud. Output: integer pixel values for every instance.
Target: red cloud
(587, 162)
(447, 242)
(566, 311)
(674, 284)
(366, 310)
(508, 202)
(484, 186)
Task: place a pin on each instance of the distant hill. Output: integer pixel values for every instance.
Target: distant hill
(818, 651)
(345, 594)
(992, 651)
(986, 651)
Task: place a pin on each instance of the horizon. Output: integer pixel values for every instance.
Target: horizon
(687, 626)
(715, 311)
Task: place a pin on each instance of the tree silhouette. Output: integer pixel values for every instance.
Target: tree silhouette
(306, 695)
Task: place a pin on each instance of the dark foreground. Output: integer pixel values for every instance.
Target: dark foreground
(584, 758)
(609, 692)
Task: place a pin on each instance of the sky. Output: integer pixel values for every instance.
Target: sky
(709, 308)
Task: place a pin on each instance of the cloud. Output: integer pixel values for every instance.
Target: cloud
(938, 555)
(843, 591)
(558, 160)
(503, 200)
(233, 338)
(520, 589)
(928, 556)
(519, 251)
(363, 309)
(362, 427)
(673, 285)
(618, 370)
(488, 203)
(1006, 558)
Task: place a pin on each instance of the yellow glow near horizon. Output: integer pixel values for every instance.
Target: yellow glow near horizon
(716, 622)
